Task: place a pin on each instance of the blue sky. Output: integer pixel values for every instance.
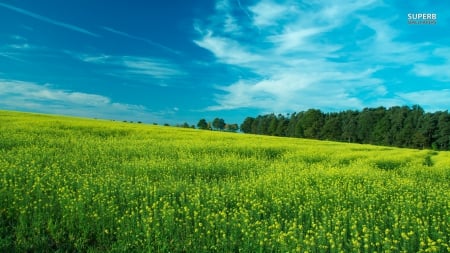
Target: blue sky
(174, 61)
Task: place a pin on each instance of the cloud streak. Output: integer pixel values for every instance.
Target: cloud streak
(49, 20)
(323, 54)
(30, 96)
(135, 67)
(150, 42)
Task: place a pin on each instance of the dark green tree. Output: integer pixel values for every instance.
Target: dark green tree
(398, 115)
(381, 134)
(349, 125)
(218, 124)
(202, 124)
(291, 125)
(299, 125)
(400, 126)
(246, 126)
(332, 129)
(282, 126)
(231, 127)
(273, 124)
(427, 128)
(313, 120)
(443, 131)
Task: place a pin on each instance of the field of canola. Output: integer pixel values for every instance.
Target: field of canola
(79, 185)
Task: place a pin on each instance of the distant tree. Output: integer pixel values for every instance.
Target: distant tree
(291, 125)
(282, 126)
(332, 129)
(218, 124)
(365, 125)
(443, 131)
(231, 127)
(299, 129)
(349, 125)
(202, 124)
(427, 128)
(255, 125)
(246, 126)
(273, 124)
(400, 126)
(418, 140)
(166, 124)
(398, 115)
(185, 125)
(313, 121)
(381, 134)
(263, 124)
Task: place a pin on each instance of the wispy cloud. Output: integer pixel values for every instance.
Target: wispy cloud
(432, 100)
(319, 54)
(438, 71)
(137, 68)
(150, 67)
(30, 96)
(150, 42)
(227, 50)
(49, 20)
(268, 13)
(11, 56)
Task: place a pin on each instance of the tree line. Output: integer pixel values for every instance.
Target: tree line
(217, 124)
(399, 126)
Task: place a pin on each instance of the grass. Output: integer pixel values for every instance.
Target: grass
(80, 185)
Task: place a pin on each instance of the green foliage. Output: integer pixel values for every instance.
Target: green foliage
(397, 126)
(231, 127)
(76, 185)
(246, 126)
(202, 124)
(218, 124)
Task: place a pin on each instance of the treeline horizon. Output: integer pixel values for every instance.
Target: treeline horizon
(397, 126)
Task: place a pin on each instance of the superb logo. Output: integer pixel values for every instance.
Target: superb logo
(422, 18)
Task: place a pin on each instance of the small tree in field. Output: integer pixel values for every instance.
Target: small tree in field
(202, 124)
(218, 124)
(231, 127)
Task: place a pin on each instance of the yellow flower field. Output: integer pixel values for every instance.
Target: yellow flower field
(80, 185)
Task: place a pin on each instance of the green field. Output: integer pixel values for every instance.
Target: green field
(79, 185)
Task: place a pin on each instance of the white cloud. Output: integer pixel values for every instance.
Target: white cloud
(287, 90)
(135, 67)
(296, 40)
(150, 67)
(310, 55)
(49, 20)
(20, 46)
(11, 56)
(29, 96)
(148, 41)
(268, 13)
(432, 100)
(438, 72)
(227, 50)
(231, 24)
(18, 38)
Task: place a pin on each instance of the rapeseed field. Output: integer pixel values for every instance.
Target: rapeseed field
(80, 185)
